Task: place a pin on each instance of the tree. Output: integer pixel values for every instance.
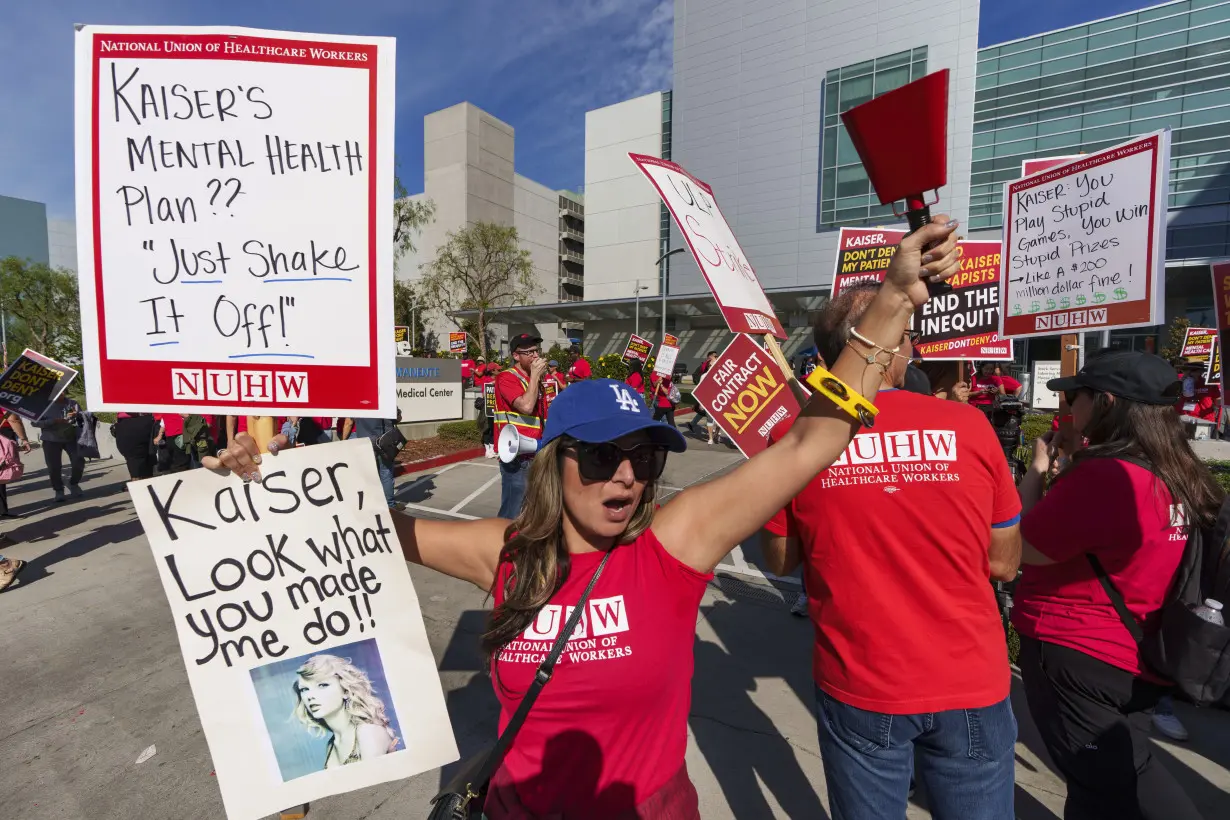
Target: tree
(1175, 335)
(478, 268)
(409, 218)
(44, 303)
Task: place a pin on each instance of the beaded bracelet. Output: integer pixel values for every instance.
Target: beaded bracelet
(840, 393)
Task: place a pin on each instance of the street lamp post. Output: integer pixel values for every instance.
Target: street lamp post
(664, 267)
(637, 293)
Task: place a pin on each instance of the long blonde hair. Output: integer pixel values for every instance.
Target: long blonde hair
(535, 547)
(361, 702)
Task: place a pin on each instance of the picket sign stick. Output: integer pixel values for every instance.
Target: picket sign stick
(775, 350)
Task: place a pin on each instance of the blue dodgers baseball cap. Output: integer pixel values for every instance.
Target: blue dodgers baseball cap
(597, 410)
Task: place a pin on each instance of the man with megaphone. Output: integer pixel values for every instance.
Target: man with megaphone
(520, 410)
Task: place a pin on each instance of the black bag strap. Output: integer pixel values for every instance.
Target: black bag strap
(541, 677)
(1116, 599)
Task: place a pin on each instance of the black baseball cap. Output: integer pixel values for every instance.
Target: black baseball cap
(523, 340)
(1128, 374)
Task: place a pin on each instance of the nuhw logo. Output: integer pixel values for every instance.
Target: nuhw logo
(196, 384)
(900, 446)
(602, 616)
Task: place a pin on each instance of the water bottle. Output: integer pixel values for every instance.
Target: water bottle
(1210, 611)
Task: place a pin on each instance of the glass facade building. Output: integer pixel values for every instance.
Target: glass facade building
(846, 197)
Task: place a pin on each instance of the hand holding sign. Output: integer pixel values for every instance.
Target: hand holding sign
(912, 269)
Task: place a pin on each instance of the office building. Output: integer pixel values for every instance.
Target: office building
(23, 230)
(1088, 87)
(468, 175)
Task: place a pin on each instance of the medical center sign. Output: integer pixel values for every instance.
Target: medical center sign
(231, 190)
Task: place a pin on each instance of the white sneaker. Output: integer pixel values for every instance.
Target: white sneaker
(800, 605)
(490, 451)
(1170, 726)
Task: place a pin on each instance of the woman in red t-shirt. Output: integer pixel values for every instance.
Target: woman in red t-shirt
(607, 738)
(660, 392)
(636, 378)
(985, 386)
(1083, 672)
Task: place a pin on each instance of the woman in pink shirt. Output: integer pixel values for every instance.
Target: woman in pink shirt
(1123, 507)
(606, 740)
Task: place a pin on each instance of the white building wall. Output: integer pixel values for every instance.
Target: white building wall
(622, 209)
(747, 117)
(536, 218)
(62, 244)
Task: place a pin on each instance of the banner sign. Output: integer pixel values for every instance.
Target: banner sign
(664, 364)
(550, 389)
(32, 383)
(205, 160)
(962, 324)
(1044, 371)
(457, 342)
(670, 341)
(746, 394)
(279, 589)
(722, 262)
(1198, 345)
(1221, 302)
(1084, 242)
(489, 399)
(638, 348)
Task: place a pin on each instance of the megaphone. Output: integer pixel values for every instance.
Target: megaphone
(512, 444)
(902, 138)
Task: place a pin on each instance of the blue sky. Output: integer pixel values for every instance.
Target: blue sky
(537, 64)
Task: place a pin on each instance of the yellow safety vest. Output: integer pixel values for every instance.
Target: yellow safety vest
(528, 425)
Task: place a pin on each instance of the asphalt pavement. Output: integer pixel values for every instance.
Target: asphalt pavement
(92, 675)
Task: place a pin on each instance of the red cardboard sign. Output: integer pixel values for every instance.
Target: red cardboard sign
(670, 341)
(746, 394)
(1084, 242)
(962, 324)
(638, 348)
(729, 275)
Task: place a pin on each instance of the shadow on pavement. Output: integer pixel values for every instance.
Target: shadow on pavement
(417, 490)
(722, 704)
(473, 709)
(119, 532)
(74, 512)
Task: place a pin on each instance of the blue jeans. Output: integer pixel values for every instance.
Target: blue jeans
(966, 760)
(513, 481)
(385, 471)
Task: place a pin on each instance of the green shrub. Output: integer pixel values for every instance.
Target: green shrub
(1221, 472)
(1034, 426)
(459, 431)
(610, 366)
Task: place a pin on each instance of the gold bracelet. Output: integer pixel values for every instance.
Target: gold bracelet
(840, 394)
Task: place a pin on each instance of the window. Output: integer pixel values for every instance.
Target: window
(846, 197)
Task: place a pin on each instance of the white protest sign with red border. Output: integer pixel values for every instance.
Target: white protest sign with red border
(729, 275)
(1033, 166)
(233, 221)
(746, 394)
(664, 362)
(1085, 242)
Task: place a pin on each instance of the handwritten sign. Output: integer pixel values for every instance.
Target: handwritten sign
(277, 587)
(638, 348)
(664, 363)
(729, 275)
(457, 342)
(233, 241)
(32, 383)
(1084, 242)
(746, 395)
(957, 325)
(489, 399)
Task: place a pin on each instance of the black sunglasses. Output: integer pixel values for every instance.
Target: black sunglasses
(1070, 396)
(600, 462)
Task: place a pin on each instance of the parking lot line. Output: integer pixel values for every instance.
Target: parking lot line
(475, 494)
(448, 513)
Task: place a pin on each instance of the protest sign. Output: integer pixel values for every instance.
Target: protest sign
(1084, 242)
(961, 324)
(670, 341)
(1221, 303)
(550, 389)
(456, 342)
(401, 341)
(746, 394)
(293, 581)
(1040, 396)
(254, 168)
(638, 348)
(1199, 344)
(1033, 166)
(32, 383)
(489, 399)
(1213, 374)
(722, 262)
(664, 363)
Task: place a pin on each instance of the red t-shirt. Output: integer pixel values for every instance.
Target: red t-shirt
(172, 424)
(614, 718)
(637, 382)
(580, 370)
(509, 388)
(895, 539)
(467, 368)
(979, 381)
(663, 391)
(1123, 515)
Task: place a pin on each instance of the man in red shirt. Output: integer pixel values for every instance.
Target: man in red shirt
(909, 648)
(580, 370)
(519, 401)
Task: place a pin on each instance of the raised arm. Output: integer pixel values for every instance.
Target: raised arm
(703, 523)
